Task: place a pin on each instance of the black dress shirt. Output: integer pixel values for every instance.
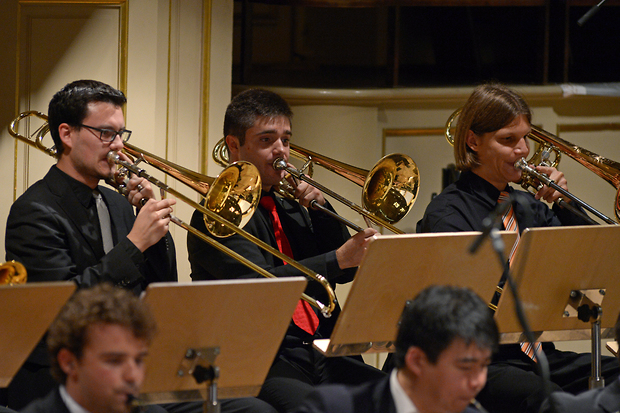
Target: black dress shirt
(463, 205)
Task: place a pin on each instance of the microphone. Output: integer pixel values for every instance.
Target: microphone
(491, 222)
(590, 13)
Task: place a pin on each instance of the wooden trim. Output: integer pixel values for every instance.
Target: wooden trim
(206, 79)
(587, 127)
(397, 97)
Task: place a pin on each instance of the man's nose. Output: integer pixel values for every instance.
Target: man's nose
(522, 147)
(117, 143)
(478, 380)
(278, 147)
(133, 373)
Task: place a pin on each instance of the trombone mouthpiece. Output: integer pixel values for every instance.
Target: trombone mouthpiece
(112, 157)
(279, 164)
(521, 164)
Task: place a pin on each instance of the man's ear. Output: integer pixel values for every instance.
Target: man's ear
(233, 146)
(64, 131)
(67, 361)
(472, 140)
(415, 360)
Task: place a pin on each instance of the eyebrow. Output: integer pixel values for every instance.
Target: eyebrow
(272, 131)
(473, 360)
(122, 354)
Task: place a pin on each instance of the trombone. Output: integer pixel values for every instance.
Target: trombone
(389, 188)
(532, 180)
(220, 189)
(12, 272)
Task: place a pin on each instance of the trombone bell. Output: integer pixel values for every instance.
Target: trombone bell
(234, 196)
(391, 187)
(12, 272)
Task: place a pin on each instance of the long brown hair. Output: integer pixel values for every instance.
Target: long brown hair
(490, 107)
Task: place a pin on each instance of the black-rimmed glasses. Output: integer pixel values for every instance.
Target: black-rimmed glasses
(108, 135)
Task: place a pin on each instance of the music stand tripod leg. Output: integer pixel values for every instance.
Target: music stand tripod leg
(596, 380)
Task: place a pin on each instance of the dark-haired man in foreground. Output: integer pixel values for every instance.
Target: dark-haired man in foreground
(445, 341)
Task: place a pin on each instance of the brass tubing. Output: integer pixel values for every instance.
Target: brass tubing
(326, 310)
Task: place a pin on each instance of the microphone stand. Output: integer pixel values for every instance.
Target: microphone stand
(498, 246)
(590, 13)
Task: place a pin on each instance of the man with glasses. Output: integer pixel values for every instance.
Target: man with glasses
(68, 227)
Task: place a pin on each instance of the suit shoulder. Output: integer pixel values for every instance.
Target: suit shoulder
(52, 403)
(569, 403)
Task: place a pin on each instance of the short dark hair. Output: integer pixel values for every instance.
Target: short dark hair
(70, 104)
(490, 107)
(248, 105)
(101, 304)
(438, 316)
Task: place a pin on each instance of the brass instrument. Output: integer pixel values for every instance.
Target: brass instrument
(233, 195)
(218, 191)
(547, 143)
(12, 272)
(389, 188)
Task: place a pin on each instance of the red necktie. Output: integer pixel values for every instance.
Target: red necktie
(510, 224)
(303, 317)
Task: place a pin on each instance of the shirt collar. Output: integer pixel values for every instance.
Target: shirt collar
(82, 192)
(483, 187)
(402, 402)
(71, 404)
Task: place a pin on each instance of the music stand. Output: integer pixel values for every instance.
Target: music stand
(27, 311)
(234, 326)
(557, 271)
(396, 268)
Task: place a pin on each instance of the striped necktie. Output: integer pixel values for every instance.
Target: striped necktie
(304, 316)
(510, 221)
(510, 224)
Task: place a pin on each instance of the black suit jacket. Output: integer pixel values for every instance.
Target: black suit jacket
(373, 397)
(53, 403)
(605, 400)
(50, 232)
(313, 237)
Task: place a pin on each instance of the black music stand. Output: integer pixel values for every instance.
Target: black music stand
(222, 333)
(396, 268)
(27, 311)
(562, 272)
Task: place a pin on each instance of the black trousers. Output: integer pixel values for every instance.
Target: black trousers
(296, 371)
(513, 375)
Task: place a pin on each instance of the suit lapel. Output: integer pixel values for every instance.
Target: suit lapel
(75, 212)
(382, 396)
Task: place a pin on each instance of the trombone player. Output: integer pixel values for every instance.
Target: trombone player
(59, 233)
(491, 136)
(257, 128)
